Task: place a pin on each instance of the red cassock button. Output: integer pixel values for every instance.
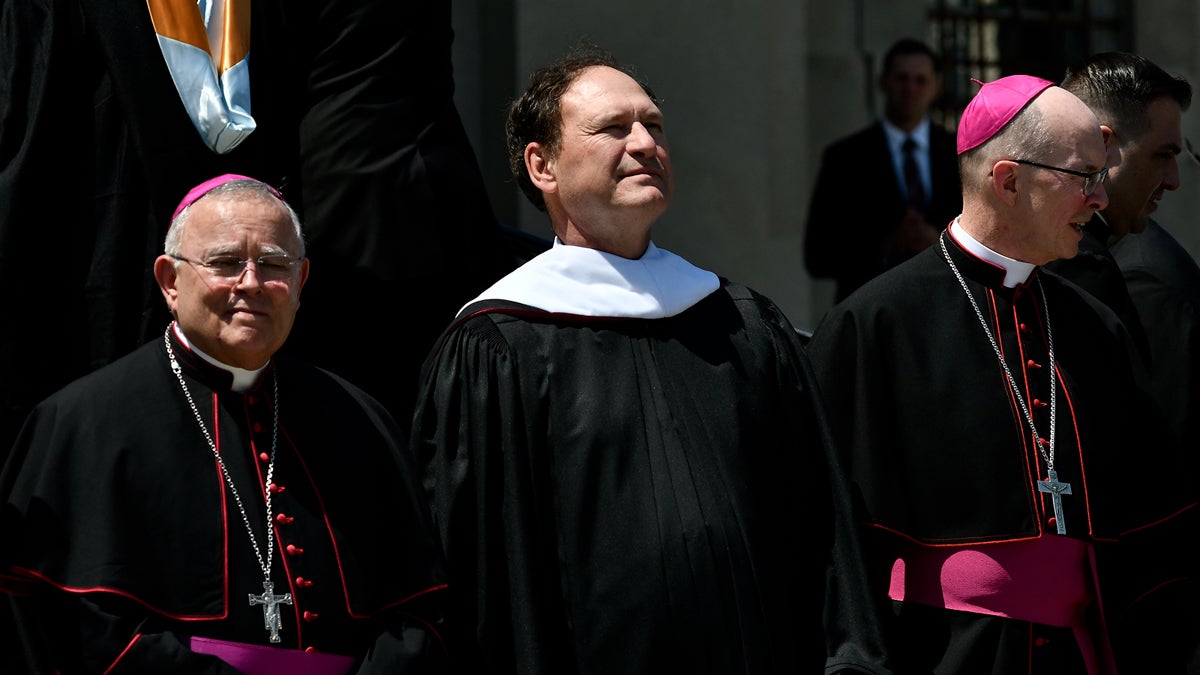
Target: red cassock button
(311, 650)
(303, 583)
(277, 489)
(311, 616)
(283, 519)
(264, 457)
(293, 550)
(257, 427)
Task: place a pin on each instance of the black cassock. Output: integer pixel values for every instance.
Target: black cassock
(638, 495)
(944, 457)
(121, 534)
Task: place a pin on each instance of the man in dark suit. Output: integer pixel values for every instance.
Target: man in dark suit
(1140, 107)
(1164, 282)
(876, 202)
(1126, 260)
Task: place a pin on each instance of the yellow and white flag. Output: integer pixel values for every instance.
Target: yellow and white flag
(206, 44)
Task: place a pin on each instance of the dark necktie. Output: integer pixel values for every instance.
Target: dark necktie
(912, 176)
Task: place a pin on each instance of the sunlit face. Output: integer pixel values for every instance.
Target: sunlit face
(1059, 209)
(241, 321)
(1145, 168)
(612, 172)
(909, 87)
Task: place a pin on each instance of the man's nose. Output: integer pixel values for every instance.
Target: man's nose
(1171, 179)
(641, 141)
(1098, 200)
(249, 276)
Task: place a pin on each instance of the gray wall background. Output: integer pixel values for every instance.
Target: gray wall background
(752, 91)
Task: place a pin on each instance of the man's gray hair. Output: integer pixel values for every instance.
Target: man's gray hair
(248, 188)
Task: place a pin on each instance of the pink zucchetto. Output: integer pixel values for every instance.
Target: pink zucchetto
(994, 106)
(209, 185)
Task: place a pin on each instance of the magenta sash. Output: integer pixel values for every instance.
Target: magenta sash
(1048, 580)
(262, 660)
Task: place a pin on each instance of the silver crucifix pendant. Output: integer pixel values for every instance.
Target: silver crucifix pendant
(270, 603)
(1056, 490)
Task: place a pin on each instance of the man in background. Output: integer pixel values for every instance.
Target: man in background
(1140, 107)
(884, 193)
(1125, 259)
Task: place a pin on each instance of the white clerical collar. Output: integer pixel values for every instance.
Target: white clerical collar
(584, 281)
(1016, 272)
(242, 378)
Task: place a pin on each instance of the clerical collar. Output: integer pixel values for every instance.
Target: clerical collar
(242, 378)
(1016, 272)
(587, 282)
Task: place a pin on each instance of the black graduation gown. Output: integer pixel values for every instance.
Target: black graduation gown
(638, 496)
(943, 456)
(120, 530)
(393, 196)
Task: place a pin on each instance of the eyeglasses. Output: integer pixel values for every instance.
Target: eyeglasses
(1090, 180)
(272, 267)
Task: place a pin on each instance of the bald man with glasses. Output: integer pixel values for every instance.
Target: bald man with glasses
(204, 505)
(992, 416)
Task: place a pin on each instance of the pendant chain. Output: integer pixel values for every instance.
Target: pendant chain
(266, 566)
(1049, 458)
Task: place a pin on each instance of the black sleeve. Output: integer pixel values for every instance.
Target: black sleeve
(85, 634)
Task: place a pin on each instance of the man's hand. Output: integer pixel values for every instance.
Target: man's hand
(912, 236)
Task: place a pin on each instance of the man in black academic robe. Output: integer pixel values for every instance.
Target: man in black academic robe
(610, 489)
(626, 456)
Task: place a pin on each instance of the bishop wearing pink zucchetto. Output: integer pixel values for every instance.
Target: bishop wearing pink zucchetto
(205, 505)
(993, 418)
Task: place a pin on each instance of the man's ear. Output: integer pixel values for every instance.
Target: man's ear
(540, 166)
(167, 278)
(1004, 181)
(1110, 136)
(1112, 147)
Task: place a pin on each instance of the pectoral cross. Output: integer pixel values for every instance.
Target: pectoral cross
(1056, 490)
(271, 602)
